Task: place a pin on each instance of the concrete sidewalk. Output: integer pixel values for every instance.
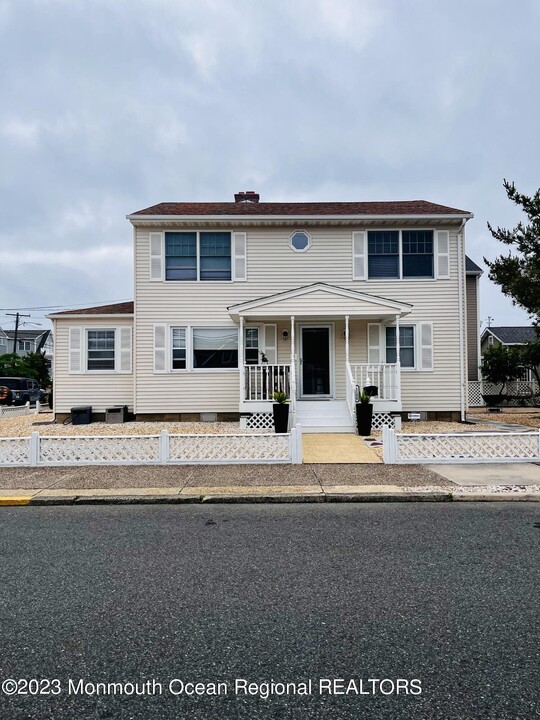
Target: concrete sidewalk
(268, 483)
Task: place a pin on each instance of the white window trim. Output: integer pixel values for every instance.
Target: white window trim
(295, 232)
(169, 348)
(400, 250)
(213, 370)
(84, 351)
(416, 324)
(251, 326)
(416, 367)
(198, 244)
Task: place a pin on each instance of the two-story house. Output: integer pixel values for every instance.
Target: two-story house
(234, 300)
(27, 341)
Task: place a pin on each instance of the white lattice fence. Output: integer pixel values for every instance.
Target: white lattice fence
(14, 451)
(160, 449)
(380, 419)
(520, 391)
(260, 421)
(212, 449)
(105, 450)
(8, 411)
(461, 447)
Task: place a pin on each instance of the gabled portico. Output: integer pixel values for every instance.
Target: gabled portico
(318, 322)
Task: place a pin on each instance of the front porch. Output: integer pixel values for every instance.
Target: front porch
(321, 359)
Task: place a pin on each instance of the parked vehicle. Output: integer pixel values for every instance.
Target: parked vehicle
(22, 389)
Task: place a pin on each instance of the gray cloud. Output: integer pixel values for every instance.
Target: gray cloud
(110, 107)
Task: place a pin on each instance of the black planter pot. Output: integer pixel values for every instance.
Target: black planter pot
(281, 417)
(364, 415)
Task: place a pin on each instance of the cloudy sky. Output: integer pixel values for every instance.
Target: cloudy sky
(109, 106)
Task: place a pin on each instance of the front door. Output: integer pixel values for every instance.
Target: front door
(315, 371)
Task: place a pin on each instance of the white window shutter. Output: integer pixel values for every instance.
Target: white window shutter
(442, 254)
(359, 241)
(426, 346)
(374, 343)
(75, 350)
(270, 343)
(125, 350)
(239, 257)
(156, 256)
(160, 348)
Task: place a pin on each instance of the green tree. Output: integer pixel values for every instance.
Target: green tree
(500, 364)
(13, 365)
(518, 273)
(37, 365)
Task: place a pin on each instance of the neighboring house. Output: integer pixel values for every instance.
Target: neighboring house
(3, 342)
(332, 295)
(472, 287)
(30, 341)
(508, 336)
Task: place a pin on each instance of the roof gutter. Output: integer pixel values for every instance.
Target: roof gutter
(244, 218)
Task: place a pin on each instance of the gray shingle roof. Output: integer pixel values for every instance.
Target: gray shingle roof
(471, 267)
(513, 335)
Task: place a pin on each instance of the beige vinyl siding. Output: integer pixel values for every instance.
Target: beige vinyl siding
(273, 267)
(471, 286)
(98, 389)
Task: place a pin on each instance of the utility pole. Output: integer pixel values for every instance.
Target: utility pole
(16, 316)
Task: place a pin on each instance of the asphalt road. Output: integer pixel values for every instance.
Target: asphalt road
(440, 593)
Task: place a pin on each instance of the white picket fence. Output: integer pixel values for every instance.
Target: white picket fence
(162, 449)
(461, 447)
(16, 410)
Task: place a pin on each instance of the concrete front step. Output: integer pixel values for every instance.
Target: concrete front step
(327, 429)
(330, 416)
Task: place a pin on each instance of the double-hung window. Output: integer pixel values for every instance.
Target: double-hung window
(383, 253)
(417, 253)
(251, 349)
(198, 256)
(179, 349)
(406, 346)
(100, 350)
(396, 254)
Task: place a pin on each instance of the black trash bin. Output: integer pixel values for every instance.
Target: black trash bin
(81, 415)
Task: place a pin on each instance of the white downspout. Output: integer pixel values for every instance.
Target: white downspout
(461, 291)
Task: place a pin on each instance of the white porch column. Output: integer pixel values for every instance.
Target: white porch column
(347, 339)
(398, 363)
(398, 356)
(293, 375)
(241, 361)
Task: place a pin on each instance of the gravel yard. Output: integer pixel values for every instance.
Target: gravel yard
(23, 425)
(516, 416)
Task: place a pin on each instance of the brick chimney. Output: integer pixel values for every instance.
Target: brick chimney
(246, 196)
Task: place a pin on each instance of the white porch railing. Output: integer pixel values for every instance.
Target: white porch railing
(262, 381)
(351, 391)
(385, 376)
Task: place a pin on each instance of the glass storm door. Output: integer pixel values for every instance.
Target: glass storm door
(315, 362)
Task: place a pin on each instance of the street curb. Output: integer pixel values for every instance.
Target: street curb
(268, 498)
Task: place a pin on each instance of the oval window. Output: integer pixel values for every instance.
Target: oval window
(300, 241)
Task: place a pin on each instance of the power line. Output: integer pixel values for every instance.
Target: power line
(61, 307)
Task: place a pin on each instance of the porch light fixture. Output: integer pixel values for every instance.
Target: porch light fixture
(285, 335)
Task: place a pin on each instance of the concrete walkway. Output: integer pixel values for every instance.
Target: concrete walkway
(489, 473)
(337, 448)
(321, 482)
